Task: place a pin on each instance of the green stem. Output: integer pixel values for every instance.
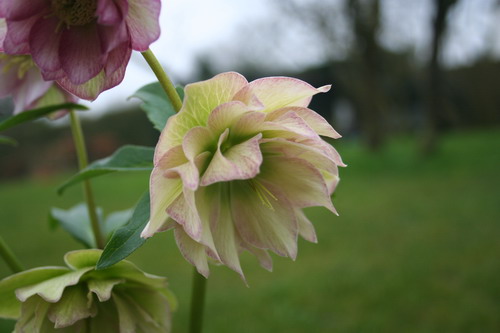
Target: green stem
(9, 257)
(163, 79)
(197, 302)
(81, 152)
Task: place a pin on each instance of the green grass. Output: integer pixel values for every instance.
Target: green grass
(416, 248)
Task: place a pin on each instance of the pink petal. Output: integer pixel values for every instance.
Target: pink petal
(118, 58)
(44, 44)
(80, 53)
(305, 188)
(113, 36)
(278, 92)
(142, 22)
(192, 251)
(17, 38)
(272, 227)
(111, 12)
(22, 9)
(313, 120)
(241, 161)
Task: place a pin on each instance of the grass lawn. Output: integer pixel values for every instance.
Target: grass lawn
(415, 249)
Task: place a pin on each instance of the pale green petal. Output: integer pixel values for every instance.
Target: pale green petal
(278, 92)
(72, 307)
(131, 273)
(163, 192)
(34, 312)
(52, 289)
(82, 258)
(264, 218)
(106, 319)
(241, 161)
(183, 211)
(200, 99)
(299, 180)
(313, 120)
(192, 251)
(102, 288)
(126, 315)
(196, 141)
(306, 228)
(248, 125)
(225, 115)
(10, 306)
(289, 126)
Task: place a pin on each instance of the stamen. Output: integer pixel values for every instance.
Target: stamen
(263, 193)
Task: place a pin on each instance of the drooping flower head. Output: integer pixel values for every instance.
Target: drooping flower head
(83, 44)
(235, 167)
(79, 298)
(22, 80)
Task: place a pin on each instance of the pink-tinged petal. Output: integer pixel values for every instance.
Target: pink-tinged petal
(32, 89)
(249, 124)
(183, 211)
(290, 126)
(110, 12)
(3, 33)
(44, 44)
(200, 100)
(92, 88)
(263, 256)
(264, 217)
(53, 76)
(142, 22)
(241, 161)
(17, 10)
(331, 180)
(302, 183)
(224, 234)
(223, 116)
(113, 36)
(196, 142)
(278, 92)
(80, 53)
(163, 192)
(117, 59)
(327, 150)
(17, 38)
(192, 251)
(314, 120)
(306, 228)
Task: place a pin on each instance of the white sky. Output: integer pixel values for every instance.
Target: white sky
(191, 28)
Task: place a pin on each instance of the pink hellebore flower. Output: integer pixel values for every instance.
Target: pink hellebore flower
(236, 166)
(84, 45)
(22, 80)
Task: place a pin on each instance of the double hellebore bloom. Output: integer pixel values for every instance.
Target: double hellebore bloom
(235, 167)
(84, 45)
(119, 299)
(22, 80)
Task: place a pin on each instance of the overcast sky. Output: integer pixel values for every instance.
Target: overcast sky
(191, 28)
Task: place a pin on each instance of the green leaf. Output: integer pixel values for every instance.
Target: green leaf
(117, 220)
(4, 140)
(128, 238)
(76, 222)
(126, 158)
(36, 113)
(156, 103)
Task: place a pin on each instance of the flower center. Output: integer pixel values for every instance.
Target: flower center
(75, 12)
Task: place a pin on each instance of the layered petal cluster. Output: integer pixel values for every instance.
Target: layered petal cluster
(235, 167)
(83, 44)
(22, 80)
(79, 298)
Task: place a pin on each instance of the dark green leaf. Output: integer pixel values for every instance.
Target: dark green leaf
(76, 222)
(4, 140)
(126, 158)
(116, 220)
(37, 113)
(156, 104)
(128, 238)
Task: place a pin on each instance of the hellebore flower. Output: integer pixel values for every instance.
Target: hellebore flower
(119, 299)
(236, 166)
(84, 45)
(22, 80)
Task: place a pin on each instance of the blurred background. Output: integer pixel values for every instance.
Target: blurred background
(416, 96)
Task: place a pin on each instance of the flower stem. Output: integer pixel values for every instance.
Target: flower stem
(81, 152)
(197, 302)
(163, 79)
(9, 257)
